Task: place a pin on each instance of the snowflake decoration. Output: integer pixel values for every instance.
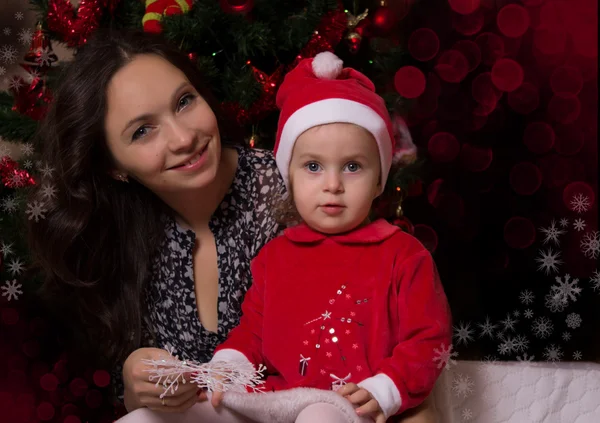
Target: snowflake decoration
(564, 222)
(462, 385)
(590, 244)
(467, 414)
(463, 333)
(577, 355)
(510, 345)
(2, 72)
(45, 170)
(555, 303)
(36, 211)
(528, 313)
(45, 59)
(552, 233)
(490, 359)
(580, 203)
(566, 336)
(542, 327)
(487, 328)
(27, 149)
(579, 224)
(595, 280)
(16, 267)
(526, 358)
(549, 261)
(573, 320)
(509, 323)
(27, 164)
(48, 191)
(30, 78)
(8, 54)
(12, 290)
(7, 31)
(553, 353)
(19, 16)
(517, 313)
(566, 289)
(526, 297)
(9, 204)
(444, 357)
(6, 249)
(25, 36)
(15, 83)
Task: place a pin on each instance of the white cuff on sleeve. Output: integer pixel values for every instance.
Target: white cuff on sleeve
(384, 390)
(229, 354)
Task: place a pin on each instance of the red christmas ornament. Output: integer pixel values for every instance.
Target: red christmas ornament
(159, 8)
(40, 52)
(75, 27)
(236, 6)
(384, 20)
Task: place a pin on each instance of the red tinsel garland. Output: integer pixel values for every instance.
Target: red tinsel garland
(75, 28)
(12, 176)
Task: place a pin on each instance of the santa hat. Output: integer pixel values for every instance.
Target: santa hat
(320, 91)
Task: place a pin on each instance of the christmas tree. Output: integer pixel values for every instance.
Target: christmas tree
(244, 48)
(499, 95)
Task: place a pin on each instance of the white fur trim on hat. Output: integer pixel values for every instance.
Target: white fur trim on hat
(333, 110)
(327, 65)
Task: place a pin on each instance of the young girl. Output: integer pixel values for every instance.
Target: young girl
(338, 302)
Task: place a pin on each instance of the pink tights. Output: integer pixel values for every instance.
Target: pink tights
(204, 412)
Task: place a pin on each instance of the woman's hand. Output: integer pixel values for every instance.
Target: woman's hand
(367, 405)
(140, 392)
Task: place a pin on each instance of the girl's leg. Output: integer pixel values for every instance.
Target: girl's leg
(203, 412)
(324, 413)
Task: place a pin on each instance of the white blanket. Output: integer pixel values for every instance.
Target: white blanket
(519, 392)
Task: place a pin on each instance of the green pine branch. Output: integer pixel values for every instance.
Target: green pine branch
(15, 126)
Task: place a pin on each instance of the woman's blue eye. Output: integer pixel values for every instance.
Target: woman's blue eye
(140, 132)
(185, 100)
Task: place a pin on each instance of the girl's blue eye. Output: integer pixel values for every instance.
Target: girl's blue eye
(353, 167)
(312, 167)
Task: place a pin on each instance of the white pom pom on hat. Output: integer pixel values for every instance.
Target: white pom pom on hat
(327, 65)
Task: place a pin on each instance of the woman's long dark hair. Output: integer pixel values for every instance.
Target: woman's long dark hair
(99, 236)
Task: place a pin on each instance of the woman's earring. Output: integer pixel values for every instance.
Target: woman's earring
(123, 177)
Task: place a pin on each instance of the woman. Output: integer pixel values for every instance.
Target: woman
(157, 214)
